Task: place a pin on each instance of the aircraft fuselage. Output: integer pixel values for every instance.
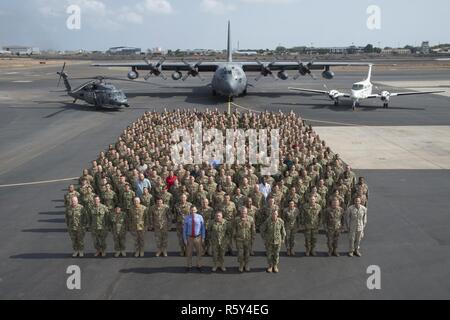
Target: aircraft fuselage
(229, 80)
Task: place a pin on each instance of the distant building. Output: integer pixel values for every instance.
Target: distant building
(124, 50)
(425, 47)
(396, 51)
(21, 50)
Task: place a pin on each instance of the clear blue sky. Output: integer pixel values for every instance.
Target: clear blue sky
(184, 24)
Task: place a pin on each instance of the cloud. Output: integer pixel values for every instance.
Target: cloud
(216, 6)
(129, 16)
(158, 6)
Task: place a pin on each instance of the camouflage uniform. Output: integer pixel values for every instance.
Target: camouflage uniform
(332, 221)
(166, 198)
(147, 200)
(244, 234)
(181, 211)
(126, 202)
(160, 221)
(208, 218)
(229, 188)
(290, 218)
(109, 199)
(76, 220)
(311, 221)
(219, 234)
(265, 213)
(239, 201)
(229, 214)
(98, 216)
(86, 196)
(273, 233)
(68, 197)
(138, 224)
(118, 225)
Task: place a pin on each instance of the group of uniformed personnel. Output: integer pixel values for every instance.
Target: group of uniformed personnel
(134, 187)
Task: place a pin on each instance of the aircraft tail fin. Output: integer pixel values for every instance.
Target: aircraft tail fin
(369, 74)
(229, 49)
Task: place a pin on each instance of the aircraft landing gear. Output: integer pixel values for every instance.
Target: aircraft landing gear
(385, 105)
(336, 102)
(355, 106)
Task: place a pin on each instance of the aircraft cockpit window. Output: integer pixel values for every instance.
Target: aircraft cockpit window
(358, 87)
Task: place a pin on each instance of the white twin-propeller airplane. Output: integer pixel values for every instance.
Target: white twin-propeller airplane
(362, 90)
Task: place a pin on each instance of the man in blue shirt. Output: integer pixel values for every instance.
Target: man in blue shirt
(194, 233)
(141, 183)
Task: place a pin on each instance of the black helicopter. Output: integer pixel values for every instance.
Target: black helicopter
(95, 92)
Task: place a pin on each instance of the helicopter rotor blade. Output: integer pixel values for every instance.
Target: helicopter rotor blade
(60, 74)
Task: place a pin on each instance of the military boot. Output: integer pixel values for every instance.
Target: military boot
(158, 253)
(330, 252)
(123, 253)
(75, 254)
(312, 252)
(117, 254)
(350, 254)
(80, 254)
(269, 269)
(357, 253)
(288, 252)
(97, 254)
(223, 268)
(275, 269)
(103, 253)
(241, 267)
(214, 269)
(165, 253)
(136, 254)
(141, 253)
(247, 268)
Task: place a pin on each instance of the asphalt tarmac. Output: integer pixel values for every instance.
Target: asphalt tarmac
(45, 137)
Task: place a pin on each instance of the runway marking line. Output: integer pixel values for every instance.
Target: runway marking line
(36, 182)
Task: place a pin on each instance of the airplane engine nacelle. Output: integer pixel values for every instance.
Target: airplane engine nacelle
(385, 95)
(176, 75)
(282, 75)
(328, 74)
(132, 75)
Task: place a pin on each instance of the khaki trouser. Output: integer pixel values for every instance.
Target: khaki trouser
(194, 243)
(355, 239)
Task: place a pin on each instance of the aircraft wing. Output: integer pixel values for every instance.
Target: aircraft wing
(295, 65)
(396, 94)
(334, 93)
(211, 66)
(203, 66)
(309, 90)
